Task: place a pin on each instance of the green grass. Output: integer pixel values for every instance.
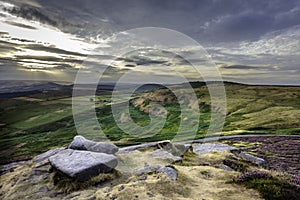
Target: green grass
(29, 126)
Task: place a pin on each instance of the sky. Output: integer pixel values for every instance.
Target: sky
(253, 41)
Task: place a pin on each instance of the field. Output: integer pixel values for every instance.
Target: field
(34, 123)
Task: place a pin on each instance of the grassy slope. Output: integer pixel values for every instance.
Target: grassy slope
(33, 125)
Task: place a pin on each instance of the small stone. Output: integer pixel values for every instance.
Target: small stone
(149, 194)
(121, 188)
(142, 178)
(205, 164)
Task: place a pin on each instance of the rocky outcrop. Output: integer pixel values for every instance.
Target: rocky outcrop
(148, 169)
(177, 149)
(209, 147)
(82, 165)
(162, 154)
(80, 143)
(169, 171)
(253, 159)
(143, 146)
(225, 167)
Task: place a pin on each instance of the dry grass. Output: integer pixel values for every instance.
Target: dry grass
(194, 182)
(15, 185)
(68, 185)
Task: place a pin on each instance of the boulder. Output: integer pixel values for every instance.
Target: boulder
(82, 165)
(253, 159)
(148, 169)
(165, 155)
(225, 167)
(169, 172)
(129, 149)
(80, 143)
(177, 149)
(209, 147)
(44, 156)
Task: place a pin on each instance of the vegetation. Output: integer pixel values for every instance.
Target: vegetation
(69, 185)
(35, 123)
(271, 187)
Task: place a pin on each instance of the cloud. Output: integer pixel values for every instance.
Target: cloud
(20, 25)
(240, 67)
(259, 40)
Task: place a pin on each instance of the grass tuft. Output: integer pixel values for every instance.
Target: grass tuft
(69, 185)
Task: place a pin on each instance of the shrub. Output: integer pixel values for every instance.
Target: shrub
(295, 180)
(271, 187)
(251, 175)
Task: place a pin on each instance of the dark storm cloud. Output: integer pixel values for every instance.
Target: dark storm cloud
(207, 21)
(50, 49)
(47, 59)
(138, 60)
(31, 13)
(257, 36)
(241, 67)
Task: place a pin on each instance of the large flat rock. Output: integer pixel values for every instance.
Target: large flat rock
(82, 165)
(209, 147)
(80, 143)
(45, 156)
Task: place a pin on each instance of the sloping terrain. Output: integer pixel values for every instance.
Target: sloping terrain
(33, 123)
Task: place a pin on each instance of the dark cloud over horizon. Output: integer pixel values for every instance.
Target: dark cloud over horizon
(208, 21)
(245, 36)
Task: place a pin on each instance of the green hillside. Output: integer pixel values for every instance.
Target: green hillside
(32, 124)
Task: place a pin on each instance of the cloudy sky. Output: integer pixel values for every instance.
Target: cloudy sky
(253, 41)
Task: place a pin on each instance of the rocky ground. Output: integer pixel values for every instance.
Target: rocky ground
(159, 170)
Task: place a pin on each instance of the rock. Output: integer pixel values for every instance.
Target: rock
(82, 165)
(150, 195)
(147, 170)
(126, 150)
(121, 188)
(80, 143)
(11, 166)
(44, 156)
(169, 172)
(177, 149)
(225, 167)
(165, 155)
(209, 147)
(253, 159)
